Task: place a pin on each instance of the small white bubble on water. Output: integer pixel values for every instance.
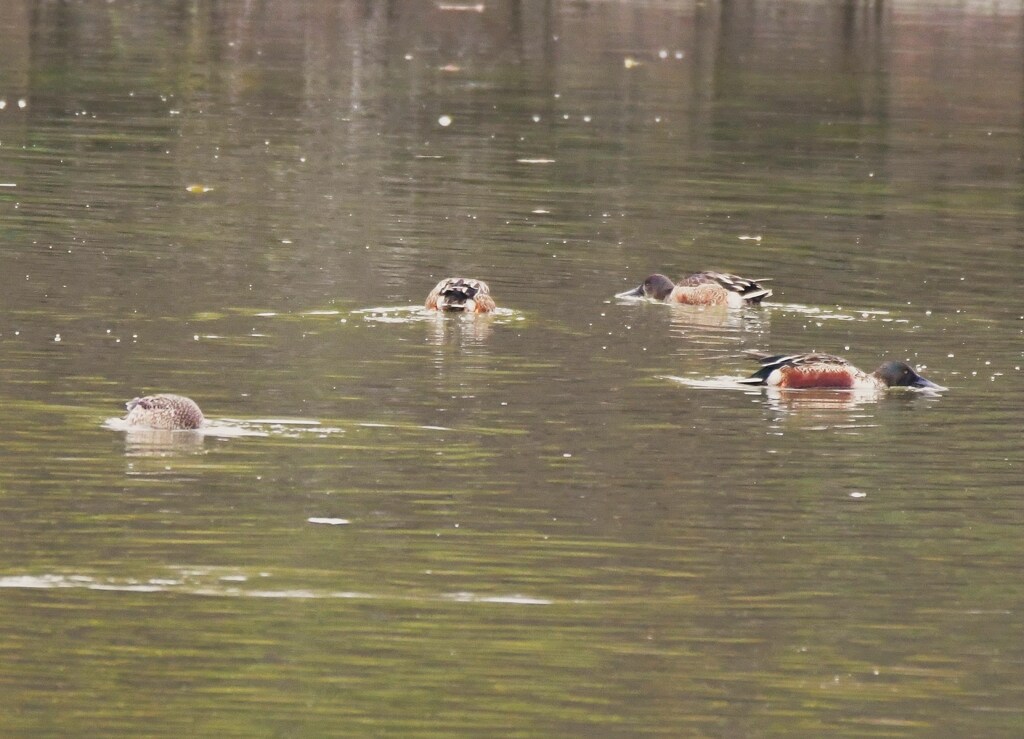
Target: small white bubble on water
(56, 338)
(445, 121)
(663, 53)
(567, 455)
(22, 103)
(858, 494)
(328, 521)
(587, 119)
(536, 118)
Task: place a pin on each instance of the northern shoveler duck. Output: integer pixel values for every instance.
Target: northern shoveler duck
(828, 371)
(702, 288)
(164, 411)
(461, 294)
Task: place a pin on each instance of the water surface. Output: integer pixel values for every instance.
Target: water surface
(559, 519)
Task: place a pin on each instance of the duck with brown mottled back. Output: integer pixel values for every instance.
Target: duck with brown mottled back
(164, 411)
(701, 288)
(461, 294)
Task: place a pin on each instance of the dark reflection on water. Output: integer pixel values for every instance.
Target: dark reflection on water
(563, 518)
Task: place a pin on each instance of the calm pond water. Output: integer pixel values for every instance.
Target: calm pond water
(557, 520)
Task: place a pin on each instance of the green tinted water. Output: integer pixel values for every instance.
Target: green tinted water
(551, 527)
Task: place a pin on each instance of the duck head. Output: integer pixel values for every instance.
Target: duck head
(900, 374)
(656, 286)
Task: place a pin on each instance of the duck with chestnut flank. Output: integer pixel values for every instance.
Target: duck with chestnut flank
(702, 288)
(796, 371)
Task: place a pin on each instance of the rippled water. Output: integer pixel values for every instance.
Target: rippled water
(564, 518)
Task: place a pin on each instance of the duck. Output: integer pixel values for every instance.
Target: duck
(461, 294)
(164, 411)
(814, 370)
(702, 288)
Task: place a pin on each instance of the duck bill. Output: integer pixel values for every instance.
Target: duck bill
(925, 384)
(637, 292)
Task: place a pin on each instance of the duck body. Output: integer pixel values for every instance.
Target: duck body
(164, 411)
(799, 371)
(461, 295)
(701, 288)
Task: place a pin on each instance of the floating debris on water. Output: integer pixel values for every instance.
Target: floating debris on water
(522, 600)
(461, 8)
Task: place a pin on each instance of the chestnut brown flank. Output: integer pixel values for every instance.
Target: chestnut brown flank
(700, 295)
(802, 377)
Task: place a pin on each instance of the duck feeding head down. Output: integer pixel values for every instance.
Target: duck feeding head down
(701, 288)
(813, 370)
(461, 295)
(164, 411)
